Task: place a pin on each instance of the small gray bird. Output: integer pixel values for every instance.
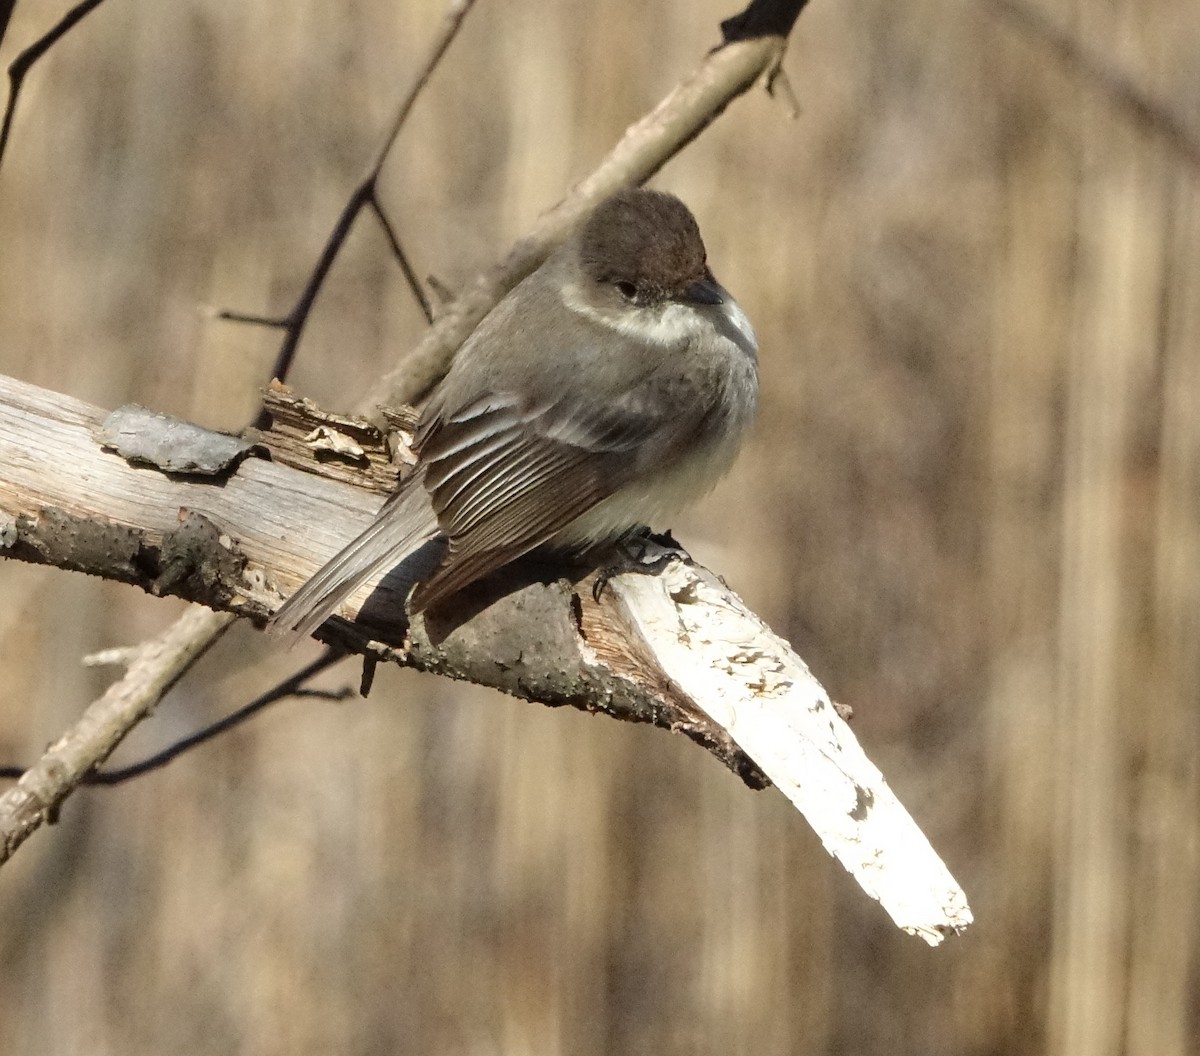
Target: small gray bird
(607, 391)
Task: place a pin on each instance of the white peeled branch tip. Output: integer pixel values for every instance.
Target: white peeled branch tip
(747, 679)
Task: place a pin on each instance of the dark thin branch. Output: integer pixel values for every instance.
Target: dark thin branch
(365, 194)
(298, 316)
(441, 291)
(22, 64)
(763, 18)
(451, 22)
(6, 9)
(273, 322)
(289, 687)
(414, 283)
(1118, 86)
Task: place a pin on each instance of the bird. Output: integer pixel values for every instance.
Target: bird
(604, 393)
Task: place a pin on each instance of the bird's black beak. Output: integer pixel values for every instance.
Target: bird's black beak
(706, 291)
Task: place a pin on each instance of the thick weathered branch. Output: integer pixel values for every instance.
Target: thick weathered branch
(675, 648)
(243, 541)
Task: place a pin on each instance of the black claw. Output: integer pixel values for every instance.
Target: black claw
(603, 575)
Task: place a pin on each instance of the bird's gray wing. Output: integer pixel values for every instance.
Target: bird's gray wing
(404, 524)
(505, 476)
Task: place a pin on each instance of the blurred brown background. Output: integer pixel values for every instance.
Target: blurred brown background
(971, 502)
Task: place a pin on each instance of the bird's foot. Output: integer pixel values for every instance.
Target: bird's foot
(647, 551)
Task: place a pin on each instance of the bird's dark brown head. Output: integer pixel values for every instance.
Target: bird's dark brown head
(647, 245)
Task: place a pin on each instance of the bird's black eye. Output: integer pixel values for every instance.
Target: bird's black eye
(626, 289)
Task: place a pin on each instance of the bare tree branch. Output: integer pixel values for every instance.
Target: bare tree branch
(6, 10)
(675, 648)
(22, 64)
(242, 541)
(410, 275)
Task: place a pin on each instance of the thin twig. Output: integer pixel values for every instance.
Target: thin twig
(298, 316)
(410, 275)
(364, 194)
(289, 687)
(272, 322)
(24, 61)
(1118, 86)
(452, 20)
(293, 686)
